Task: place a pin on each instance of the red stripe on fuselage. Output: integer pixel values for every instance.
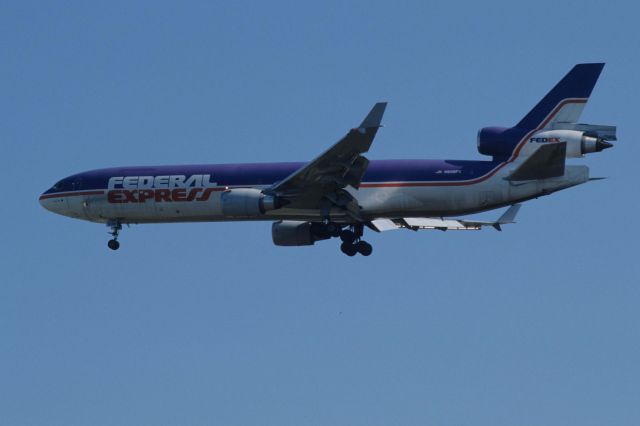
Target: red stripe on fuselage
(78, 193)
(70, 194)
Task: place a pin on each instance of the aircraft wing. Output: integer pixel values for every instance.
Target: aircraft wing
(341, 165)
(417, 223)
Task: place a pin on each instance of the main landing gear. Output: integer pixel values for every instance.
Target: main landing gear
(352, 242)
(351, 236)
(115, 226)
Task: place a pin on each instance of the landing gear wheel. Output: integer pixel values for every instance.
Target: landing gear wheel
(348, 236)
(348, 249)
(115, 226)
(364, 248)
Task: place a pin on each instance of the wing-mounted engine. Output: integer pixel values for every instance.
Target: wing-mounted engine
(248, 202)
(297, 233)
(579, 142)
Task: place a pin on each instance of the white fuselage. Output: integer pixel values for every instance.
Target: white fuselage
(377, 200)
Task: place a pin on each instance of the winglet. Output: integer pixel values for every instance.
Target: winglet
(374, 118)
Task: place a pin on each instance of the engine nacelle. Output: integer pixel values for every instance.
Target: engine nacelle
(578, 143)
(501, 141)
(248, 202)
(297, 233)
(497, 141)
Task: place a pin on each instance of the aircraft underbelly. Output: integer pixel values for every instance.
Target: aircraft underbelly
(431, 200)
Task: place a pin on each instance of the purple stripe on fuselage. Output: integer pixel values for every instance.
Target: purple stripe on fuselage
(268, 173)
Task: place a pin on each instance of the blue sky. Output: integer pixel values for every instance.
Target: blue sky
(210, 323)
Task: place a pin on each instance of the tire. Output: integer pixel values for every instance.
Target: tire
(348, 236)
(364, 248)
(348, 249)
(113, 244)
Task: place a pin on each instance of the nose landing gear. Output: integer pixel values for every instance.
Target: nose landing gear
(115, 227)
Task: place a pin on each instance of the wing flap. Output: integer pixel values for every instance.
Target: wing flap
(417, 223)
(382, 225)
(440, 224)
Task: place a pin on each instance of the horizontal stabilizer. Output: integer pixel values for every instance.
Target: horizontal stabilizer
(510, 215)
(417, 223)
(547, 162)
(599, 131)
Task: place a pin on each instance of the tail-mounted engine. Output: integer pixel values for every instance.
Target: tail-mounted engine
(578, 142)
(581, 139)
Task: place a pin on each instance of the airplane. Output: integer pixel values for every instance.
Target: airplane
(341, 192)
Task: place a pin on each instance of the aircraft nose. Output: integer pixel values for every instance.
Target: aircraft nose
(44, 201)
(52, 203)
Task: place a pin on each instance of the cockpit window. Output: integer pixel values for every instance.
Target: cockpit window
(58, 186)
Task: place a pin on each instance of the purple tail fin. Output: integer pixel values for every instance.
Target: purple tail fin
(574, 90)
